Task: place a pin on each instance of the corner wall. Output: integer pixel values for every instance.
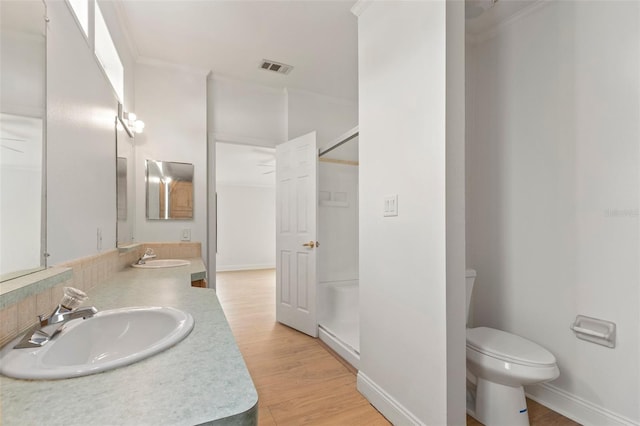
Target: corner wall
(404, 260)
(246, 227)
(173, 104)
(329, 117)
(246, 113)
(81, 111)
(337, 222)
(553, 195)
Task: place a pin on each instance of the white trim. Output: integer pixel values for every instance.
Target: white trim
(383, 402)
(340, 101)
(145, 60)
(228, 268)
(360, 6)
(576, 408)
(90, 17)
(268, 88)
(498, 28)
(245, 140)
(346, 352)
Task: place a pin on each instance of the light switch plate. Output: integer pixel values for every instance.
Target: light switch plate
(391, 205)
(186, 234)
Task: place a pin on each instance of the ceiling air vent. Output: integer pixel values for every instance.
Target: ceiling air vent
(278, 67)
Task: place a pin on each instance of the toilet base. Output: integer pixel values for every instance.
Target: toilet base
(499, 405)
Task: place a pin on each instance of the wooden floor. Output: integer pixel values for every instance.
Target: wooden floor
(539, 415)
(299, 382)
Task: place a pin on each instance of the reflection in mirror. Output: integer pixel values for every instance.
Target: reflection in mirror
(22, 124)
(124, 186)
(169, 190)
(121, 173)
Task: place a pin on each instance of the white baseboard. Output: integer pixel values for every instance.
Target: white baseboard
(575, 408)
(227, 268)
(345, 351)
(389, 407)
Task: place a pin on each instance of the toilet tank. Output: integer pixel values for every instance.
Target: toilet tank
(470, 279)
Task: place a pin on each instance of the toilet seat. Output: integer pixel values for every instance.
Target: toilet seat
(508, 347)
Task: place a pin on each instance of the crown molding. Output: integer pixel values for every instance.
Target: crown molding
(221, 77)
(144, 60)
(340, 101)
(502, 25)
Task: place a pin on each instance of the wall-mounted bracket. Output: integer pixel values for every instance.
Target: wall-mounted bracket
(595, 330)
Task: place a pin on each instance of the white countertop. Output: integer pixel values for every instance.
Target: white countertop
(201, 380)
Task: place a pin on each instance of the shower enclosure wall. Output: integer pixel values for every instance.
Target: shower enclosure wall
(338, 313)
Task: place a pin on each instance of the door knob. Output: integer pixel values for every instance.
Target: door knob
(310, 244)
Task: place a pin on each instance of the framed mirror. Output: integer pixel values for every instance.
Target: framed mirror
(169, 190)
(125, 189)
(22, 137)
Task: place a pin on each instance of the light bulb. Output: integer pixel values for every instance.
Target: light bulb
(138, 126)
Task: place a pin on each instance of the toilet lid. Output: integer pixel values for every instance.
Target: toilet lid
(508, 347)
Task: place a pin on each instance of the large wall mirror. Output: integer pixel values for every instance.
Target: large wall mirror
(169, 190)
(22, 137)
(125, 186)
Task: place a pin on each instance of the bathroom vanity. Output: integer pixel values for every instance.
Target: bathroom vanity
(201, 380)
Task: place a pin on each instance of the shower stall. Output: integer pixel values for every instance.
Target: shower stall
(337, 292)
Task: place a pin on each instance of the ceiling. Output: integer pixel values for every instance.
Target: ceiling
(231, 38)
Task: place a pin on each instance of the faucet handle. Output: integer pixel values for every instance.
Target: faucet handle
(72, 298)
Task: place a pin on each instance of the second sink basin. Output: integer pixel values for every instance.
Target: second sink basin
(109, 340)
(162, 263)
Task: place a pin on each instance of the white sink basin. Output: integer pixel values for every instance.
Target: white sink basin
(162, 263)
(109, 340)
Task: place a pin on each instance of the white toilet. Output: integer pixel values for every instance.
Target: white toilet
(500, 364)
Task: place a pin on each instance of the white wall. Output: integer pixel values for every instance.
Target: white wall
(22, 100)
(246, 227)
(81, 108)
(247, 113)
(337, 222)
(244, 113)
(20, 218)
(22, 73)
(329, 117)
(253, 114)
(552, 195)
(173, 104)
(403, 260)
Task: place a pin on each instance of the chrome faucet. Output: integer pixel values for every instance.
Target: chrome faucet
(148, 254)
(51, 325)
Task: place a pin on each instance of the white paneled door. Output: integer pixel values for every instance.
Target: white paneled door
(296, 211)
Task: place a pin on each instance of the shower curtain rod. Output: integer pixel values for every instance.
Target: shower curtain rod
(341, 140)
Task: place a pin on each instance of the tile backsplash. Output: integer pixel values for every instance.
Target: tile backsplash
(86, 274)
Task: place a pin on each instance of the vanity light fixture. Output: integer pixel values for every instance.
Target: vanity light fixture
(129, 121)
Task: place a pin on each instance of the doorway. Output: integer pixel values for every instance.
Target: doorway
(245, 190)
